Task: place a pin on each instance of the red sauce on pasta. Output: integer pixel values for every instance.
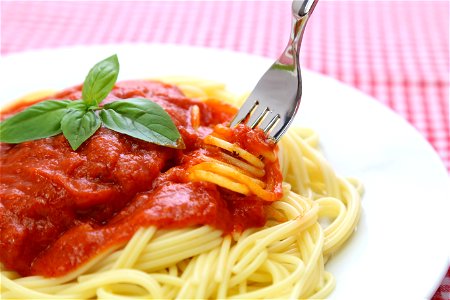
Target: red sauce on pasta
(59, 207)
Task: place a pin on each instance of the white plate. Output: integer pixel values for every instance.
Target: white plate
(399, 250)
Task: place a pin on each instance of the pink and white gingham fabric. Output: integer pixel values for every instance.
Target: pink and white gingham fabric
(396, 51)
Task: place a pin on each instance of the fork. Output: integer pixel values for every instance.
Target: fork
(274, 101)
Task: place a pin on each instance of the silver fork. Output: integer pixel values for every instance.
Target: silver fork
(274, 102)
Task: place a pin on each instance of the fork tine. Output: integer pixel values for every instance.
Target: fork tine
(269, 121)
(246, 109)
(278, 130)
(257, 115)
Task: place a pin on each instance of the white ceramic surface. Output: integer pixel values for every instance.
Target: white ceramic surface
(399, 250)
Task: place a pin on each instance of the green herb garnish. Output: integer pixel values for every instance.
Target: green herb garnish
(78, 120)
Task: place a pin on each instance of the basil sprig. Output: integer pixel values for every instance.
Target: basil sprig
(78, 120)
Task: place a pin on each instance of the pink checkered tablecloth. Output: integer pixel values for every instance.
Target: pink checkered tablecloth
(396, 51)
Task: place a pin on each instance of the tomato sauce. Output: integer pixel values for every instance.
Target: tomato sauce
(60, 208)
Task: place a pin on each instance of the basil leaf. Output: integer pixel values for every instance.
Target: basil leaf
(142, 119)
(78, 125)
(38, 121)
(100, 81)
(77, 104)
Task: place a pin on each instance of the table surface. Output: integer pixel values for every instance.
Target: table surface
(395, 51)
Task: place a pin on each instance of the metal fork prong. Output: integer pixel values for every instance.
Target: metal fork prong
(257, 115)
(269, 121)
(278, 130)
(247, 108)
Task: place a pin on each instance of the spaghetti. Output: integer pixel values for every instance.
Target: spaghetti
(285, 258)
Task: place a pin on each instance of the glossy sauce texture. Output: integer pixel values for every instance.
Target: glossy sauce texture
(59, 208)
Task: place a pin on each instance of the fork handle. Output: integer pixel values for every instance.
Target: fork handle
(301, 10)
